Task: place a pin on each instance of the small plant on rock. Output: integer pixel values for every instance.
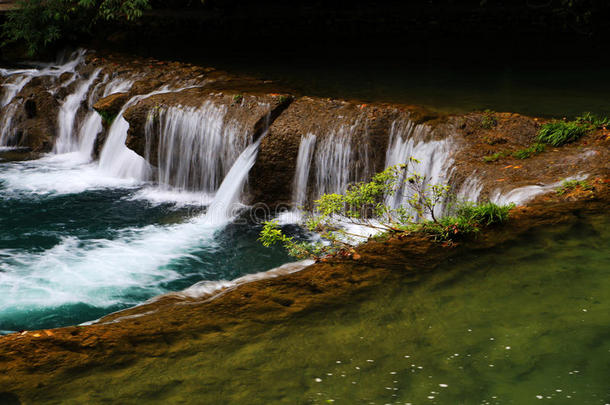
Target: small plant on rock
(364, 204)
(569, 185)
(560, 132)
(489, 121)
(533, 150)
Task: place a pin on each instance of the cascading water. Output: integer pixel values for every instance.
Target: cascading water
(17, 79)
(196, 146)
(301, 176)
(334, 157)
(407, 141)
(225, 203)
(66, 141)
(116, 158)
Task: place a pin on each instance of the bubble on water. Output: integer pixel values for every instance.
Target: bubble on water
(318, 380)
(507, 347)
(539, 396)
(430, 397)
(392, 372)
(370, 361)
(338, 361)
(443, 385)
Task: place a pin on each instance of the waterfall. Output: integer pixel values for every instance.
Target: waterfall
(66, 117)
(470, 189)
(223, 207)
(196, 146)
(116, 158)
(17, 79)
(117, 85)
(12, 88)
(301, 176)
(408, 140)
(334, 159)
(7, 132)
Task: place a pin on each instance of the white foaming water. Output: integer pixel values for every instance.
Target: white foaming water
(66, 141)
(100, 273)
(68, 173)
(209, 288)
(408, 140)
(521, 195)
(105, 272)
(196, 146)
(301, 176)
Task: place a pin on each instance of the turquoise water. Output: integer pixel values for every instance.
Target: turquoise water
(76, 245)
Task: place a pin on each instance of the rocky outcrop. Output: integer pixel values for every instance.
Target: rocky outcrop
(35, 120)
(250, 111)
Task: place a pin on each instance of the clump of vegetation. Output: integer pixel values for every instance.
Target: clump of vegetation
(365, 204)
(238, 98)
(489, 121)
(559, 133)
(533, 150)
(495, 157)
(593, 120)
(570, 185)
(493, 141)
(107, 116)
(284, 99)
(40, 23)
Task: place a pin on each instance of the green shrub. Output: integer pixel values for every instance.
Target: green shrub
(363, 204)
(238, 98)
(559, 132)
(529, 152)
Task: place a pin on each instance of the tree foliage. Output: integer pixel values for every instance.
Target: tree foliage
(40, 23)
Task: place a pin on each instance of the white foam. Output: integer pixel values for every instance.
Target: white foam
(158, 196)
(206, 288)
(99, 272)
(67, 173)
(521, 195)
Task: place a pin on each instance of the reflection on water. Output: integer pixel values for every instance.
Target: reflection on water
(524, 323)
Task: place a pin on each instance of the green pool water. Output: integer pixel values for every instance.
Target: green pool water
(526, 322)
